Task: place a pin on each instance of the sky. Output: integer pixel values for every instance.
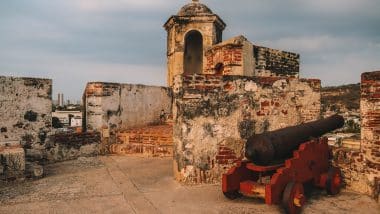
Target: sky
(77, 41)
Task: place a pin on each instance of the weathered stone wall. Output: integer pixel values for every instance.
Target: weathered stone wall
(114, 106)
(271, 62)
(370, 127)
(354, 170)
(68, 146)
(370, 113)
(210, 26)
(12, 160)
(213, 115)
(25, 110)
(361, 167)
(234, 55)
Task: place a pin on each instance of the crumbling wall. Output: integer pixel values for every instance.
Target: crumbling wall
(156, 141)
(25, 110)
(12, 160)
(370, 127)
(271, 62)
(68, 146)
(231, 57)
(113, 106)
(214, 115)
(361, 167)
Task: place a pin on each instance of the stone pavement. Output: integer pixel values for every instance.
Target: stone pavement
(122, 184)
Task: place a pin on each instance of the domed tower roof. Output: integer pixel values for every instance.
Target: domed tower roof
(195, 9)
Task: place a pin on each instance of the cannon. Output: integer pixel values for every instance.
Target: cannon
(280, 162)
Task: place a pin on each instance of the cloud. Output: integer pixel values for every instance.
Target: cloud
(311, 44)
(341, 70)
(76, 41)
(71, 74)
(117, 5)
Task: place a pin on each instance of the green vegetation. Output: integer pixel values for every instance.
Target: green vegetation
(341, 98)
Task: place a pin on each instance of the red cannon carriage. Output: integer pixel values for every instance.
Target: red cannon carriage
(281, 182)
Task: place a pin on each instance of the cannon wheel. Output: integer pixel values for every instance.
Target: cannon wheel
(334, 181)
(232, 194)
(293, 198)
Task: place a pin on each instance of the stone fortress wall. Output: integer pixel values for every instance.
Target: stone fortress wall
(214, 115)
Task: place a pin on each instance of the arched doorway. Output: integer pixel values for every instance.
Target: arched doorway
(193, 57)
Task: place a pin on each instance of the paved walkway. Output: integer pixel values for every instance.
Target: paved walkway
(120, 184)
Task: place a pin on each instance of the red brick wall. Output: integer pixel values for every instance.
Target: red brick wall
(226, 156)
(150, 140)
(370, 113)
(228, 55)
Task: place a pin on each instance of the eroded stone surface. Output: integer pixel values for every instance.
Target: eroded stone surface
(213, 115)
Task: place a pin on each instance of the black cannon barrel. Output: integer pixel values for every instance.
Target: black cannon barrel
(266, 148)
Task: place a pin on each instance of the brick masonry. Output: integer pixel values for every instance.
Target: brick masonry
(156, 141)
(228, 55)
(370, 128)
(231, 57)
(271, 62)
(361, 167)
(213, 115)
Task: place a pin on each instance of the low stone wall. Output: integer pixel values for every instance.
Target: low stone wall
(361, 167)
(110, 107)
(12, 161)
(73, 145)
(123, 106)
(356, 172)
(214, 115)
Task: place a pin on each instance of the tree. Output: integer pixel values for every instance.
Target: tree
(56, 123)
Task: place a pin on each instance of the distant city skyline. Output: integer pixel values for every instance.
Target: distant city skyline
(78, 41)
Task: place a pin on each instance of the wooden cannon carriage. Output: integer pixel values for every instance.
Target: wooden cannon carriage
(281, 162)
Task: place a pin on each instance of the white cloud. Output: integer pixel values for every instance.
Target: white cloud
(111, 5)
(344, 69)
(340, 6)
(76, 41)
(71, 74)
(311, 44)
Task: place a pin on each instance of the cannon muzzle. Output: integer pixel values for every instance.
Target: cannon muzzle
(269, 147)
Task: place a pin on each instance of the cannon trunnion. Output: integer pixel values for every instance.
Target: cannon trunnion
(282, 183)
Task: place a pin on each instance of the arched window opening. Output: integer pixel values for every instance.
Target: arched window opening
(193, 57)
(219, 68)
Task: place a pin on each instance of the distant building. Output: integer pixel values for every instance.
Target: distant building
(66, 116)
(76, 121)
(61, 100)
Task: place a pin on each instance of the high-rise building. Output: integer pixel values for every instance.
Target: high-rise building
(61, 101)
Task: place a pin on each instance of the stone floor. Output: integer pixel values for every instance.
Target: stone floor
(120, 184)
